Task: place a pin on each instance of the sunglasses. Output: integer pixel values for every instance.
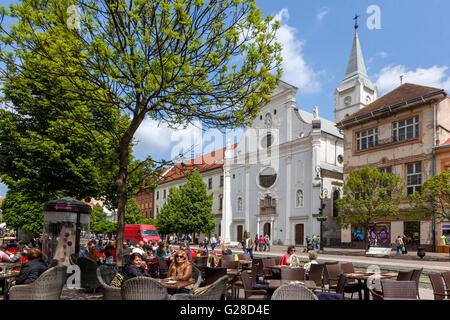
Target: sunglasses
(179, 256)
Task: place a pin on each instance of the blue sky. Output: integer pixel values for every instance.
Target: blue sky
(414, 41)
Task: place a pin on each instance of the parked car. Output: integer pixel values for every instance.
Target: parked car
(140, 232)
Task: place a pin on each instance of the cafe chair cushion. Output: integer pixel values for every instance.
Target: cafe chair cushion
(201, 290)
(117, 280)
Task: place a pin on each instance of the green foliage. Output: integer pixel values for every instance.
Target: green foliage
(133, 213)
(148, 221)
(188, 210)
(434, 199)
(99, 224)
(21, 212)
(369, 195)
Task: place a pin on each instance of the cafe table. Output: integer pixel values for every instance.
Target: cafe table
(363, 277)
(7, 278)
(175, 285)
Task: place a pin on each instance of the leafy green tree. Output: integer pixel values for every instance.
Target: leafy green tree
(369, 195)
(434, 198)
(188, 210)
(148, 221)
(133, 213)
(172, 61)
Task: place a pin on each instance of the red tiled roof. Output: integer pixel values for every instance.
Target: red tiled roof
(402, 94)
(446, 142)
(202, 163)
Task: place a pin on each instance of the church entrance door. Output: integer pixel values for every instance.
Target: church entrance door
(299, 233)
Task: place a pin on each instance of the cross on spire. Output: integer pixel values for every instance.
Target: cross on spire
(356, 21)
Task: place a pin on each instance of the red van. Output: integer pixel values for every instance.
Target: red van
(140, 232)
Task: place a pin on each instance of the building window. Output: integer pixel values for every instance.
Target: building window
(336, 196)
(386, 170)
(267, 177)
(413, 177)
(157, 195)
(299, 199)
(239, 204)
(267, 141)
(164, 194)
(221, 181)
(220, 202)
(157, 210)
(405, 129)
(210, 183)
(366, 139)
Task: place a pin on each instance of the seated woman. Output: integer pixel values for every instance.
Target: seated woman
(32, 269)
(226, 250)
(312, 255)
(180, 269)
(290, 258)
(135, 268)
(161, 252)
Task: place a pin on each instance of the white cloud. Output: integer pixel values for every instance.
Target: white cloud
(295, 69)
(435, 76)
(383, 54)
(322, 13)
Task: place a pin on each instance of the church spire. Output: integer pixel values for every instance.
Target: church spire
(356, 63)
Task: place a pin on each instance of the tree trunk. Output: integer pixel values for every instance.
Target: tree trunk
(366, 236)
(121, 183)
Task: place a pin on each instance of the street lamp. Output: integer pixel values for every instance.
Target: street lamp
(323, 195)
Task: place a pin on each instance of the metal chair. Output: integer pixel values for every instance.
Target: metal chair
(332, 271)
(214, 292)
(88, 269)
(293, 292)
(143, 288)
(325, 272)
(48, 286)
(104, 275)
(438, 286)
(297, 274)
(398, 290)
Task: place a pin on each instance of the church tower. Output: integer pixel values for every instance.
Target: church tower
(356, 90)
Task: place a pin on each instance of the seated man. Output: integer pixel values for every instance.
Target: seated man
(32, 269)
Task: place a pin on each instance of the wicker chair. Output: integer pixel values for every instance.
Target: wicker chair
(446, 276)
(214, 292)
(143, 288)
(332, 272)
(104, 275)
(416, 277)
(244, 256)
(227, 257)
(405, 275)
(297, 274)
(163, 269)
(293, 292)
(252, 294)
(398, 290)
(197, 276)
(200, 262)
(47, 287)
(260, 266)
(88, 269)
(438, 286)
(325, 278)
(315, 274)
(267, 263)
(73, 258)
(212, 274)
(228, 264)
(347, 267)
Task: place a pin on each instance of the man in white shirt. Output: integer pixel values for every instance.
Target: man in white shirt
(213, 243)
(249, 245)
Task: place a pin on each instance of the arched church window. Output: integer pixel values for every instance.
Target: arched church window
(336, 196)
(239, 204)
(299, 199)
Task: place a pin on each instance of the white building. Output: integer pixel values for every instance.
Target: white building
(274, 173)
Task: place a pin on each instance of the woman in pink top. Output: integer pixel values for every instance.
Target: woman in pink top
(4, 256)
(261, 243)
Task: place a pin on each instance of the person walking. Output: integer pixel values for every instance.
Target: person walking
(261, 242)
(205, 245)
(256, 242)
(404, 248)
(399, 244)
(267, 242)
(314, 242)
(308, 244)
(248, 249)
(213, 242)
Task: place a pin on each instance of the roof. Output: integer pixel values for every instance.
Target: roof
(356, 61)
(445, 143)
(201, 163)
(326, 125)
(405, 93)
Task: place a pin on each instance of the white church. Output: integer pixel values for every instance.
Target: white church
(270, 182)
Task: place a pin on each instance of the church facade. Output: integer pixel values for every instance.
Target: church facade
(275, 174)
